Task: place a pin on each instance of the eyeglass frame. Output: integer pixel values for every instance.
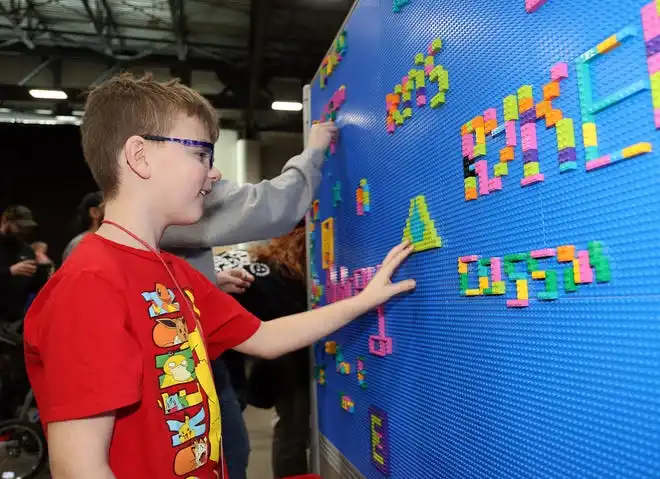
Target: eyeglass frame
(184, 142)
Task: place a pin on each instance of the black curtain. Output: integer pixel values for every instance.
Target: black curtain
(42, 167)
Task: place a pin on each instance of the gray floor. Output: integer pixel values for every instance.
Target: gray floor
(260, 427)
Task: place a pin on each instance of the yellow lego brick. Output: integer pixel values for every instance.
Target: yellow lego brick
(576, 271)
(521, 287)
(589, 134)
(608, 44)
(483, 283)
(462, 268)
(538, 274)
(481, 136)
(472, 292)
(637, 149)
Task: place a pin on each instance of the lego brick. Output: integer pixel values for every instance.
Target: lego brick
(501, 169)
(462, 268)
(607, 45)
(438, 100)
(652, 46)
(656, 117)
(490, 126)
(498, 130)
(589, 134)
(543, 253)
(469, 259)
(490, 114)
(517, 303)
(547, 296)
(525, 91)
(637, 149)
(551, 91)
(538, 274)
(567, 166)
(521, 289)
(531, 169)
(586, 274)
(429, 61)
(472, 292)
(650, 21)
(525, 104)
(565, 253)
(483, 283)
(507, 154)
(510, 108)
(598, 163)
(532, 5)
(569, 281)
(435, 46)
(565, 134)
(511, 138)
(464, 281)
(552, 117)
(421, 100)
(530, 180)
(419, 59)
(480, 135)
(527, 116)
(591, 153)
(559, 71)
(471, 194)
(495, 184)
(530, 156)
(498, 288)
(496, 269)
(543, 108)
(480, 150)
(653, 63)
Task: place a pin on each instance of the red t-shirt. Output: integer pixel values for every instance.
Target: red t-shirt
(110, 332)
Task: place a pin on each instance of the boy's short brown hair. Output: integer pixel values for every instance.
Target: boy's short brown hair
(125, 106)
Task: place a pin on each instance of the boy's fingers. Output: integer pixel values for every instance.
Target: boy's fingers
(396, 261)
(403, 286)
(394, 251)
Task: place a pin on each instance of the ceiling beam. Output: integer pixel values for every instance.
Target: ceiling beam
(258, 22)
(177, 13)
(97, 21)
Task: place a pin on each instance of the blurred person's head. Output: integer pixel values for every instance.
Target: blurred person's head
(152, 144)
(287, 253)
(17, 221)
(90, 211)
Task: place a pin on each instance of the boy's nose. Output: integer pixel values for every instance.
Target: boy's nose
(214, 175)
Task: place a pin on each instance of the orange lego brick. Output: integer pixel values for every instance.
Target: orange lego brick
(552, 117)
(464, 130)
(507, 154)
(478, 122)
(542, 108)
(490, 125)
(525, 104)
(471, 194)
(551, 90)
(565, 253)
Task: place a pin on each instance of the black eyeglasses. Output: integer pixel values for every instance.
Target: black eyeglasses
(207, 154)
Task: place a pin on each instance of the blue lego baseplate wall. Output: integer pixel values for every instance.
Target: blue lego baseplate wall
(531, 176)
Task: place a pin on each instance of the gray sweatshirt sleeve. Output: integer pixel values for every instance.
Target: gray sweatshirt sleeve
(238, 214)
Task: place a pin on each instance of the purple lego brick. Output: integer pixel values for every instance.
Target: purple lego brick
(407, 104)
(528, 116)
(421, 90)
(567, 154)
(653, 46)
(530, 156)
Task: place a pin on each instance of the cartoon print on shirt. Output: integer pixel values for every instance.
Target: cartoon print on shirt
(192, 457)
(178, 368)
(162, 301)
(189, 429)
(170, 332)
(205, 379)
(233, 259)
(179, 401)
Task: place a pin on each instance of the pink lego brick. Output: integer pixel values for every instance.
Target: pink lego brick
(517, 303)
(495, 184)
(528, 131)
(656, 116)
(468, 259)
(467, 145)
(490, 114)
(530, 180)
(404, 80)
(421, 100)
(559, 71)
(496, 270)
(428, 69)
(481, 168)
(360, 209)
(391, 127)
(650, 21)
(543, 253)
(333, 147)
(380, 345)
(598, 163)
(429, 50)
(532, 5)
(586, 274)
(653, 63)
(510, 128)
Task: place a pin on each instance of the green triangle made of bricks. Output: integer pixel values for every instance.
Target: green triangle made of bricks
(420, 228)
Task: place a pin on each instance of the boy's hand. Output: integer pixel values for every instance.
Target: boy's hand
(24, 268)
(321, 135)
(234, 281)
(381, 288)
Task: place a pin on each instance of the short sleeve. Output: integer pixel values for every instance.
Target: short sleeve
(226, 323)
(82, 359)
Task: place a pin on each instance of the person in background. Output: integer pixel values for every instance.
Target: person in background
(90, 215)
(278, 289)
(23, 269)
(236, 214)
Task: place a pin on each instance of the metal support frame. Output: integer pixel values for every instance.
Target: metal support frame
(179, 28)
(258, 22)
(99, 26)
(41, 67)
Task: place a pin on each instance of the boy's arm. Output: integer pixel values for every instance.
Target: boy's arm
(283, 335)
(79, 449)
(237, 214)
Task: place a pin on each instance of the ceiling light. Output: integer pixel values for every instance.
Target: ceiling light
(43, 112)
(49, 94)
(78, 113)
(5, 110)
(287, 106)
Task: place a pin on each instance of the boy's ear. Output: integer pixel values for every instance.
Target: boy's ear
(136, 157)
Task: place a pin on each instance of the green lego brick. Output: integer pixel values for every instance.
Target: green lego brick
(407, 96)
(409, 86)
(595, 251)
(421, 79)
(569, 281)
(512, 258)
(484, 262)
(443, 78)
(429, 61)
(532, 168)
(498, 288)
(465, 282)
(551, 285)
(419, 59)
(565, 133)
(510, 108)
(655, 89)
(532, 265)
(398, 118)
(438, 100)
(603, 273)
(525, 91)
(398, 89)
(471, 182)
(501, 169)
(436, 44)
(479, 150)
(407, 113)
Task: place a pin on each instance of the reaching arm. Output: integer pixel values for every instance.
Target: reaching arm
(236, 214)
(78, 449)
(283, 335)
